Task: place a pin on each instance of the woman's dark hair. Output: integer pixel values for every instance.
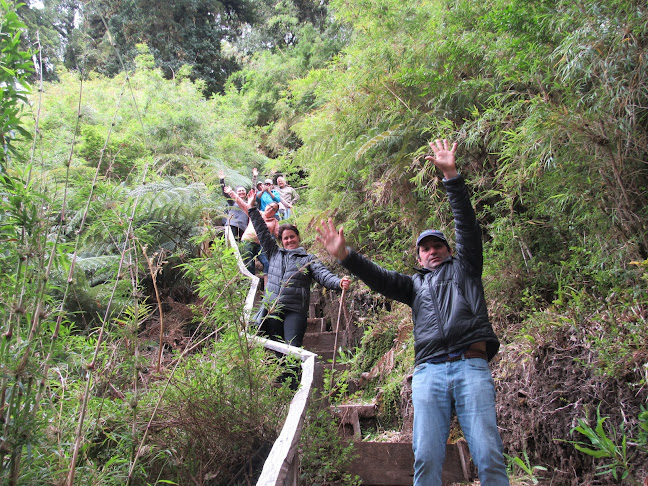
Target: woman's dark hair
(286, 227)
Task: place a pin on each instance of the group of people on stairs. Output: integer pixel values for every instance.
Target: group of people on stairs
(453, 337)
(275, 205)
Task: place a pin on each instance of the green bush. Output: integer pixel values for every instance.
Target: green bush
(324, 454)
(219, 416)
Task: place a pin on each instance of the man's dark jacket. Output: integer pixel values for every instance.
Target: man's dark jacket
(448, 303)
(290, 272)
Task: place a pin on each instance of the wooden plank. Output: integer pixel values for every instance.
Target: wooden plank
(312, 311)
(351, 413)
(316, 324)
(383, 463)
(464, 458)
(364, 411)
(282, 347)
(316, 341)
(314, 304)
(392, 464)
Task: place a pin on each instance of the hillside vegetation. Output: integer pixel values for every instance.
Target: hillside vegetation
(121, 357)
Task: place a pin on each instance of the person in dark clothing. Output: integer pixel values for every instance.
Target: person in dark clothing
(453, 337)
(235, 218)
(290, 274)
(251, 248)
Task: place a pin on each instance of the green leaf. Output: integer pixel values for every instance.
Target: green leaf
(591, 452)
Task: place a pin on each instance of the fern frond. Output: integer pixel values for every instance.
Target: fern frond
(377, 141)
(92, 264)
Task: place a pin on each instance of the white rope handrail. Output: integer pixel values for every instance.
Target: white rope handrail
(279, 468)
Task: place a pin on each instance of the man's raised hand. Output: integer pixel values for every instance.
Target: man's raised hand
(444, 157)
(333, 240)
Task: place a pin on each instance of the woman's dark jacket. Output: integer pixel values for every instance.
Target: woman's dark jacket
(291, 271)
(448, 303)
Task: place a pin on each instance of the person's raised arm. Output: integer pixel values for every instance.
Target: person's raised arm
(333, 240)
(468, 242)
(221, 177)
(245, 206)
(255, 175)
(389, 283)
(444, 157)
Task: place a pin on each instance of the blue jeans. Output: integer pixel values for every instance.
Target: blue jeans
(466, 385)
(285, 214)
(263, 258)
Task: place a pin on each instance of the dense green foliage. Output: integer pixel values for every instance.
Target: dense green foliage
(95, 214)
(544, 137)
(118, 189)
(14, 87)
(179, 33)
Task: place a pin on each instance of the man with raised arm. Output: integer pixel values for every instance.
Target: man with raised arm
(267, 195)
(453, 338)
(289, 197)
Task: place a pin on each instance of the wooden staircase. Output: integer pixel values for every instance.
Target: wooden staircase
(318, 340)
(377, 463)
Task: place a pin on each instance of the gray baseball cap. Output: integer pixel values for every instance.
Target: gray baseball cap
(434, 233)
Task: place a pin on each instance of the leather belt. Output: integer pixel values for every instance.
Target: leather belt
(468, 354)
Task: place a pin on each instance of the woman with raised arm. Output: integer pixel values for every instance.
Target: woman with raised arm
(251, 248)
(290, 274)
(235, 218)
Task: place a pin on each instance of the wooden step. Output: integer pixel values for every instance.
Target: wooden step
(392, 463)
(319, 341)
(316, 324)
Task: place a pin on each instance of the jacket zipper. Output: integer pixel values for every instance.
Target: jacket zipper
(435, 303)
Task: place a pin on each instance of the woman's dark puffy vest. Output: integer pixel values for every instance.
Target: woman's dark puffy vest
(290, 272)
